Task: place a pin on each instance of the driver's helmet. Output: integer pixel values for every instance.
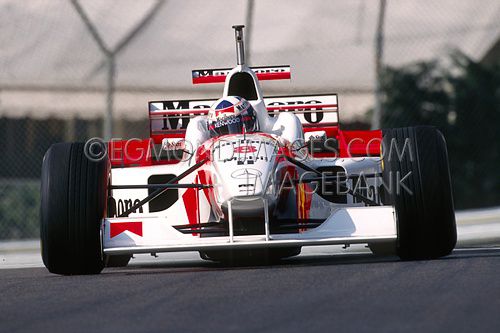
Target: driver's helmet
(232, 115)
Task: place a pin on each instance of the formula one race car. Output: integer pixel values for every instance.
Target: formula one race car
(245, 177)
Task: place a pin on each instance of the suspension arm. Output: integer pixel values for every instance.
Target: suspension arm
(159, 191)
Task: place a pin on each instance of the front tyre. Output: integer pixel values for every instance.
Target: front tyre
(73, 202)
(415, 168)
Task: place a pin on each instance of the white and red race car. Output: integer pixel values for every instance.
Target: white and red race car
(250, 194)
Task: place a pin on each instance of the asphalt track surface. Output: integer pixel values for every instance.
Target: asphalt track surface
(354, 293)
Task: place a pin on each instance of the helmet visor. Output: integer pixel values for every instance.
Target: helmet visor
(245, 122)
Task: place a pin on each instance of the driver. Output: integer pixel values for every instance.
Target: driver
(235, 115)
(232, 115)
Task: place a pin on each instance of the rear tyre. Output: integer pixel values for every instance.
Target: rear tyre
(383, 248)
(421, 191)
(73, 202)
(250, 256)
(118, 261)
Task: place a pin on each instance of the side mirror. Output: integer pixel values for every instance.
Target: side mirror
(315, 136)
(172, 143)
(318, 142)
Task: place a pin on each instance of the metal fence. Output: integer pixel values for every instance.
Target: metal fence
(68, 65)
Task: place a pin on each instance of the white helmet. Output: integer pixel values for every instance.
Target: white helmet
(232, 115)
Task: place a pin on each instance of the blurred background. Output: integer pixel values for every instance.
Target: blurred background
(72, 70)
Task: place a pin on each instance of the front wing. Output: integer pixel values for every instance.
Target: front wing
(346, 225)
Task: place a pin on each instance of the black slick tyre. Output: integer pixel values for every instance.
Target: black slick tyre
(118, 260)
(73, 202)
(415, 162)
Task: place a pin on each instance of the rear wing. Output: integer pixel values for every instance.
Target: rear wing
(282, 72)
(169, 119)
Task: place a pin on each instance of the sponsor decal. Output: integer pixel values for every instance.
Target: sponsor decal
(219, 75)
(247, 173)
(175, 121)
(267, 70)
(229, 110)
(227, 121)
(247, 179)
(242, 106)
(125, 204)
(309, 116)
(116, 228)
(210, 72)
(318, 115)
(245, 149)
